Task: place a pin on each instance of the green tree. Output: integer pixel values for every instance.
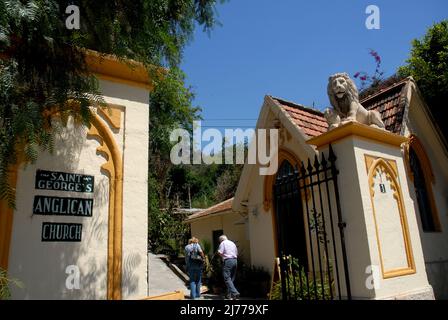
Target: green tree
(173, 187)
(42, 65)
(428, 65)
(170, 109)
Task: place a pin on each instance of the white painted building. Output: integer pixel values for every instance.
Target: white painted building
(209, 224)
(403, 233)
(80, 227)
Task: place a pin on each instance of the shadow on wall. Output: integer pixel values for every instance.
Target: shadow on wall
(130, 263)
(438, 279)
(41, 266)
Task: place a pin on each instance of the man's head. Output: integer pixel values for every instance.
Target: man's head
(195, 240)
(222, 238)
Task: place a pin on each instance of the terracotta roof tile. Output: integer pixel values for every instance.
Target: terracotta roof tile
(311, 121)
(390, 103)
(217, 208)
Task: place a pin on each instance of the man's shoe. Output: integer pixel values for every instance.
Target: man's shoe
(236, 296)
(228, 297)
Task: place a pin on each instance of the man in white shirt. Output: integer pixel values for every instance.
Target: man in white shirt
(229, 253)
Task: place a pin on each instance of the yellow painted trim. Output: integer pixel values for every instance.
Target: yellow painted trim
(114, 167)
(176, 295)
(283, 154)
(112, 114)
(416, 145)
(110, 68)
(357, 129)
(6, 222)
(372, 163)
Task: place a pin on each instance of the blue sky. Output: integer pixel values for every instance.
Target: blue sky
(288, 48)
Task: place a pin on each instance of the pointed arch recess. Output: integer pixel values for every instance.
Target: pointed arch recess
(114, 168)
(374, 164)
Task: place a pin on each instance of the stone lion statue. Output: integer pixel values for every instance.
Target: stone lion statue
(343, 96)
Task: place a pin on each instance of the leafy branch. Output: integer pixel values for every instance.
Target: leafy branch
(366, 80)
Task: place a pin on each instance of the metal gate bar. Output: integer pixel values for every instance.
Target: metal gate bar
(299, 194)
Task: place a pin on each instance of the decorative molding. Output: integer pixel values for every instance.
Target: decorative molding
(389, 167)
(109, 67)
(360, 130)
(114, 168)
(416, 145)
(112, 114)
(283, 133)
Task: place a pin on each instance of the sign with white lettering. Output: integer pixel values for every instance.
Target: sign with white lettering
(62, 181)
(66, 232)
(46, 205)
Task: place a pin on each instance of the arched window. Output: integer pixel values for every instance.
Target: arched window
(423, 177)
(289, 221)
(285, 169)
(269, 181)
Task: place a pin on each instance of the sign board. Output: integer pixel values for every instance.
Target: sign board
(62, 206)
(63, 181)
(65, 232)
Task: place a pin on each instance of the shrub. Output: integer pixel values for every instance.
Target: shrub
(302, 287)
(5, 285)
(252, 281)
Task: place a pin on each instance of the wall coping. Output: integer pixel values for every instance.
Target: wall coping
(353, 128)
(109, 67)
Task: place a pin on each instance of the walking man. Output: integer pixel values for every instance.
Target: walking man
(229, 253)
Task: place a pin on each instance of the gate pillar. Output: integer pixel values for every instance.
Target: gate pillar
(384, 253)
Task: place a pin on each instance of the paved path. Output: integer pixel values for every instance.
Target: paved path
(161, 278)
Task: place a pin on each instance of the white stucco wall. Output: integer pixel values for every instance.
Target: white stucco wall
(361, 238)
(262, 244)
(261, 228)
(41, 266)
(203, 229)
(135, 185)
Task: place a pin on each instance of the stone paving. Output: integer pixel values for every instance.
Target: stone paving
(161, 278)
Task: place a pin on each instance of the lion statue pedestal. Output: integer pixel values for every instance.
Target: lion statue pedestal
(344, 99)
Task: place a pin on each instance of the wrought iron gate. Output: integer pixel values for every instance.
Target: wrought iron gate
(310, 231)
